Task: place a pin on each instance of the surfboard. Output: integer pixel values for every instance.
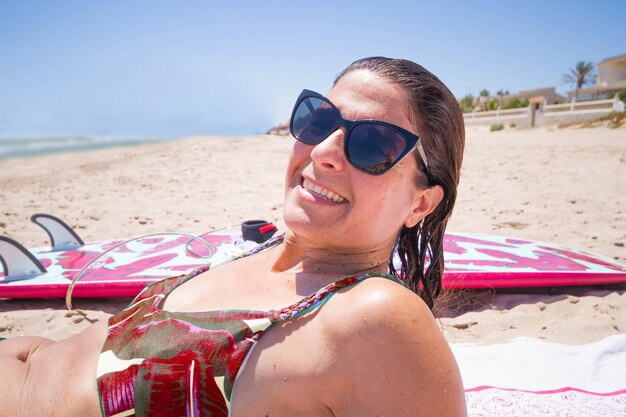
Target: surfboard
(115, 268)
(485, 261)
(120, 268)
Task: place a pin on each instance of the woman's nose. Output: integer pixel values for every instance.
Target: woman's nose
(328, 154)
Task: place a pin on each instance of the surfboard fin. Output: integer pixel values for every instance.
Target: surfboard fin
(17, 262)
(62, 236)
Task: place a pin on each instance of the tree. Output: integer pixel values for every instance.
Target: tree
(467, 103)
(484, 92)
(582, 74)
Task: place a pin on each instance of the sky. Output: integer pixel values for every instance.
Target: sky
(177, 68)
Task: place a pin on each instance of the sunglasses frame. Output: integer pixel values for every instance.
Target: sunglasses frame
(412, 140)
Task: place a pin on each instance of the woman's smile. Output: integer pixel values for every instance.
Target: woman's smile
(317, 193)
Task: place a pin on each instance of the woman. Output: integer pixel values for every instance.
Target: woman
(374, 167)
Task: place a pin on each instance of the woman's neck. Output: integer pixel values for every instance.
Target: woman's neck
(299, 255)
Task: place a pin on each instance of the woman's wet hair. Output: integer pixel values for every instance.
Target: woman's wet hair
(437, 118)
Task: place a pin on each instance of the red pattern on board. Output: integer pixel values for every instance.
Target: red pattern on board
(131, 269)
(544, 261)
(517, 242)
(581, 257)
(75, 259)
(181, 241)
(451, 243)
(113, 243)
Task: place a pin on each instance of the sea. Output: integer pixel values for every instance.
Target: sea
(35, 146)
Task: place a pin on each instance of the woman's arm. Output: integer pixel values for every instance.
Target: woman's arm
(392, 356)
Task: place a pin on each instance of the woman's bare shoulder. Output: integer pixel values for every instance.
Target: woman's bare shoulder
(392, 354)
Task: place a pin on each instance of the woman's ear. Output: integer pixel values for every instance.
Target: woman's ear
(424, 203)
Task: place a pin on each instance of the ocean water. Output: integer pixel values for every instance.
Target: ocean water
(35, 146)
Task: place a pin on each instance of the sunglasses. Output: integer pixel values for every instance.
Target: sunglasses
(371, 146)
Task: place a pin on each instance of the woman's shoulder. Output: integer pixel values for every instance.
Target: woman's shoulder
(389, 347)
(381, 299)
(379, 308)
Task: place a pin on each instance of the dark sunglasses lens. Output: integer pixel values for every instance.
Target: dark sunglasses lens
(375, 148)
(313, 120)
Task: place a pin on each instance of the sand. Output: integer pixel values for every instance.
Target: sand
(566, 186)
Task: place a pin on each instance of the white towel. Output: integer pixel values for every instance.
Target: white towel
(528, 377)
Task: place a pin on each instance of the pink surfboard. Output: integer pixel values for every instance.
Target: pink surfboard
(475, 261)
(472, 262)
(122, 272)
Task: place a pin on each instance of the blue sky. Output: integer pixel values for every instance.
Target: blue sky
(173, 68)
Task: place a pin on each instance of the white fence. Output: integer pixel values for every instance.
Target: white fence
(538, 114)
(509, 113)
(519, 117)
(597, 106)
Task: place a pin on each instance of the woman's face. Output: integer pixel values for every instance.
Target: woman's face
(367, 211)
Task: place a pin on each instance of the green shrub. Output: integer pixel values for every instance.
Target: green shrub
(516, 104)
(492, 104)
(622, 95)
(495, 127)
(467, 103)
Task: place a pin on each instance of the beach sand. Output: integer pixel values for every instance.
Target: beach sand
(565, 186)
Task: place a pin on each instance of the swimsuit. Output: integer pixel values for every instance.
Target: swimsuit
(160, 363)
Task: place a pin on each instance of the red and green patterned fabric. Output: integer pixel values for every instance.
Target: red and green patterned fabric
(160, 363)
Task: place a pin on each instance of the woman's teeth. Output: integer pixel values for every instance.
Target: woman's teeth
(323, 192)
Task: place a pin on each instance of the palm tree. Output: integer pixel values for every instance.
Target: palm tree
(583, 73)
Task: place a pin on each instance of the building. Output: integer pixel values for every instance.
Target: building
(549, 94)
(611, 80)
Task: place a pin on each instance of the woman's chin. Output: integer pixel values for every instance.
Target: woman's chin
(308, 225)
(297, 220)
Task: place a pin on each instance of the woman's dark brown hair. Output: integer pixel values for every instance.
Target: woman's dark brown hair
(437, 118)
